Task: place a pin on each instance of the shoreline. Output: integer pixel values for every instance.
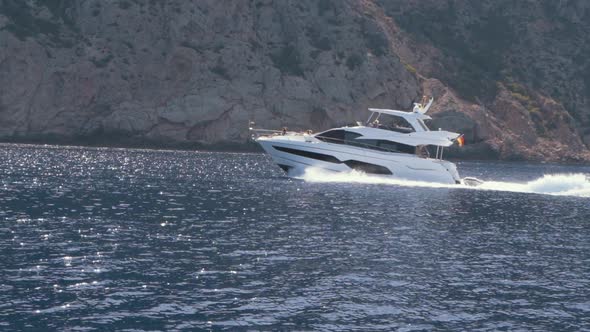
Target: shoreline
(137, 144)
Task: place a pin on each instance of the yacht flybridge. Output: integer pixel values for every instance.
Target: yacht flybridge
(390, 143)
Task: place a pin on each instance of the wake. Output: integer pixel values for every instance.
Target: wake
(549, 184)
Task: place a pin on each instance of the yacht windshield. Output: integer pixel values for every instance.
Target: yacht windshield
(393, 123)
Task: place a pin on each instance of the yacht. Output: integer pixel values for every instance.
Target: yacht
(390, 143)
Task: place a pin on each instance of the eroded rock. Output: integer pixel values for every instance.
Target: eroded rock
(198, 71)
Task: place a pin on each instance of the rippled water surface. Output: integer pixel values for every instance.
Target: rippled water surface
(111, 239)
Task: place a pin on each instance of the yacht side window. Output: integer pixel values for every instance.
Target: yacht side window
(332, 136)
(350, 138)
(339, 137)
(387, 146)
(396, 147)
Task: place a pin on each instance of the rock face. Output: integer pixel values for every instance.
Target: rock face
(513, 77)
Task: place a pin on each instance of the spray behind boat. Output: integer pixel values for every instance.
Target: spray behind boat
(472, 182)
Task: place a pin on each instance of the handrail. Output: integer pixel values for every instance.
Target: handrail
(256, 132)
(265, 130)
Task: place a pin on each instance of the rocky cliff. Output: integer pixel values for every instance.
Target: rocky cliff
(512, 76)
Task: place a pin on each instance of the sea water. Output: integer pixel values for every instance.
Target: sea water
(118, 239)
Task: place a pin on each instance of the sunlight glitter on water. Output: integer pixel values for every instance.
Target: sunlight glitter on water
(253, 249)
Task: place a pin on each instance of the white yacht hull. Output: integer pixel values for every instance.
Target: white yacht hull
(295, 154)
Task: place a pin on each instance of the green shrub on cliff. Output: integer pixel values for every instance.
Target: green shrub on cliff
(354, 61)
(410, 68)
(523, 99)
(288, 61)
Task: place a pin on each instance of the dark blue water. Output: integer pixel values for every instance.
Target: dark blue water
(107, 239)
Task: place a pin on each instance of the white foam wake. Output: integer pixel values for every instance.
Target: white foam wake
(551, 184)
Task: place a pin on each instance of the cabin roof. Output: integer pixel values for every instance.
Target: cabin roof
(441, 138)
(402, 114)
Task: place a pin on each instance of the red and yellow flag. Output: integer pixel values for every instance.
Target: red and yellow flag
(461, 140)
